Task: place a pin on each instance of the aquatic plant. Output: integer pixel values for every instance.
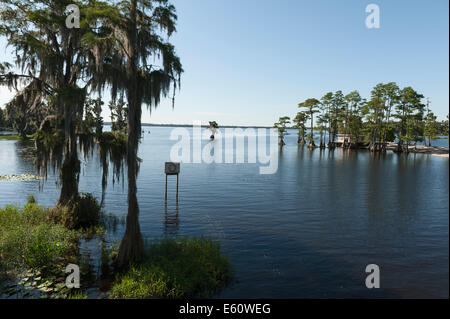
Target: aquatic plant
(36, 246)
(19, 177)
(29, 238)
(31, 199)
(176, 268)
(85, 213)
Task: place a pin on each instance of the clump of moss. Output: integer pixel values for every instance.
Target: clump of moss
(176, 268)
(112, 147)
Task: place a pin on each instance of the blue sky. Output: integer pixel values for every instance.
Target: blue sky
(248, 62)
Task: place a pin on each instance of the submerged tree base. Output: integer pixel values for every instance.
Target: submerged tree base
(176, 268)
(82, 213)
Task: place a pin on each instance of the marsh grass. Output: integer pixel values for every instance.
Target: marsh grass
(29, 238)
(36, 245)
(16, 137)
(85, 213)
(176, 268)
(34, 251)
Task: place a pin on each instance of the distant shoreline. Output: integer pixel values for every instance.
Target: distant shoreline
(190, 125)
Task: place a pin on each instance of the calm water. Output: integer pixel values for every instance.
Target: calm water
(307, 231)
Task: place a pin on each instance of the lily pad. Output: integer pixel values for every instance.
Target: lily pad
(19, 177)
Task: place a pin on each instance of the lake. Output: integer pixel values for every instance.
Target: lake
(307, 231)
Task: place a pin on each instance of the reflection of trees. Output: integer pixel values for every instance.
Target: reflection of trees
(24, 150)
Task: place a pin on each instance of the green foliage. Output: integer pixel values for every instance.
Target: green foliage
(84, 213)
(10, 137)
(78, 295)
(93, 118)
(35, 248)
(33, 283)
(119, 115)
(49, 63)
(431, 129)
(116, 139)
(445, 127)
(176, 268)
(299, 123)
(312, 106)
(388, 133)
(281, 126)
(15, 137)
(29, 238)
(390, 113)
(410, 112)
(338, 105)
(31, 199)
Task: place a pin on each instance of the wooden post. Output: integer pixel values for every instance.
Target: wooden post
(166, 189)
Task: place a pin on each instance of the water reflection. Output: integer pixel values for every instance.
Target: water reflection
(309, 230)
(171, 220)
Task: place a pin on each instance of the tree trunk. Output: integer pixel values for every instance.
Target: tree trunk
(131, 248)
(71, 166)
(400, 146)
(388, 116)
(407, 138)
(69, 177)
(311, 141)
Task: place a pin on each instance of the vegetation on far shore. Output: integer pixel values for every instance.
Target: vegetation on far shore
(390, 114)
(15, 137)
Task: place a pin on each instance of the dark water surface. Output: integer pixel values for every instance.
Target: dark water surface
(308, 230)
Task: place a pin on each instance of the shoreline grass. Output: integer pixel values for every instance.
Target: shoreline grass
(37, 243)
(34, 251)
(175, 268)
(16, 137)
